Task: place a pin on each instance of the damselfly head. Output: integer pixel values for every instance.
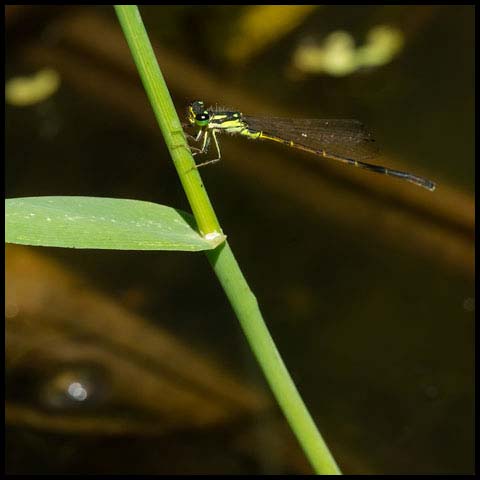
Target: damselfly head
(198, 114)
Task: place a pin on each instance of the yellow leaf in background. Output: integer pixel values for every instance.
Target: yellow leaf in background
(25, 91)
(262, 25)
(338, 56)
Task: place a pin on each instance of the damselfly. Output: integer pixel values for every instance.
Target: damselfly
(346, 141)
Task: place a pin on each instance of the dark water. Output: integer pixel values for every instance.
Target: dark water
(379, 338)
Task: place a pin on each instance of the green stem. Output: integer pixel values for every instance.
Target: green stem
(245, 305)
(167, 117)
(222, 259)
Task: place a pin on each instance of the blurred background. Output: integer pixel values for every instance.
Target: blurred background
(133, 362)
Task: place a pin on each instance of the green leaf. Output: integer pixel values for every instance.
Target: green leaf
(107, 223)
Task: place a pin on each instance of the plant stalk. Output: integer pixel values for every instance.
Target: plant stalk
(222, 259)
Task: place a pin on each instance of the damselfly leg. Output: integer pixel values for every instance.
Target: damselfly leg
(208, 137)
